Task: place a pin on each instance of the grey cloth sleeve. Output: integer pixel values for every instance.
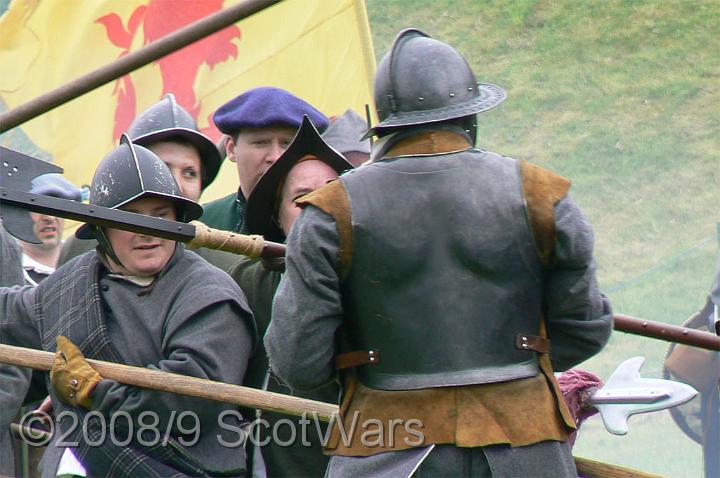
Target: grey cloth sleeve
(11, 271)
(17, 317)
(17, 304)
(579, 316)
(14, 381)
(14, 384)
(196, 346)
(307, 309)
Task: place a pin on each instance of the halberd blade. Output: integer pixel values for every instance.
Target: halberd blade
(17, 171)
(627, 393)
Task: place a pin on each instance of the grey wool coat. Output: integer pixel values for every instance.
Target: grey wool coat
(14, 381)
(192, 320)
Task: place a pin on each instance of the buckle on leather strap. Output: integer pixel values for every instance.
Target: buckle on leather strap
(532, 342)
(357, 358)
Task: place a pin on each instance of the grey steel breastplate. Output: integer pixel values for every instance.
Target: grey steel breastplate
(444, 272)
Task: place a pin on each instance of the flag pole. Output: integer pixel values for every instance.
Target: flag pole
(128, 63)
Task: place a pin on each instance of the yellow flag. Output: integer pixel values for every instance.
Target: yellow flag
(317, 49)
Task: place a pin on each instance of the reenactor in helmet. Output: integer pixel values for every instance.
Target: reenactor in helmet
(140, 301)
(306, 165)
(168, 130)
(259, 125)
(441, 273)
(345, 134)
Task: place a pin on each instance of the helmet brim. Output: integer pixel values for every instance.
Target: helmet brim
(489, 97)
(210, 157)
(187, 211)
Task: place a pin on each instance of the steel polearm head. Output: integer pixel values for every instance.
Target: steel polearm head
(17, 170)
(627, 393)
(16, 203)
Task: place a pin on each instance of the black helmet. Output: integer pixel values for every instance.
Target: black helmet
(423, 80)
(165, 120)
(131, 172)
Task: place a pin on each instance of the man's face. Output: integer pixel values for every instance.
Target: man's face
(255, 150)
(48, 229)
(305, 177)
(185, 166)
(142, 255)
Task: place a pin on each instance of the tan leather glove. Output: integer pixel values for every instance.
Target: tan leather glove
(72, 377)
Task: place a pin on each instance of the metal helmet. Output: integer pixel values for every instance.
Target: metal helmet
(130, 172)
(166, 120)
(423, 80)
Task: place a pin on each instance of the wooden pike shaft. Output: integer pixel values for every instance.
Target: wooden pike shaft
(668, 332)
(238, 395)
(128, 63)
(598, 469)
(181, 384)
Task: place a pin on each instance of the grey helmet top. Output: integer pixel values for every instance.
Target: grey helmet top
(165, 120)
(423, 80)
(130, 172)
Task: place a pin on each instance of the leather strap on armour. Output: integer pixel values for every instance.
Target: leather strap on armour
(357, 358)
(532, 342)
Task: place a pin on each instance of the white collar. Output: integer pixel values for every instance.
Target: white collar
(28, 263)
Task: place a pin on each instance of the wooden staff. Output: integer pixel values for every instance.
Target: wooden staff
(128, 63)
(181, 384)
(598, 469)
(667, 332)
(238, 395)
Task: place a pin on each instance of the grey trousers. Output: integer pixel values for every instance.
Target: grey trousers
(549, 459)
(546, 459)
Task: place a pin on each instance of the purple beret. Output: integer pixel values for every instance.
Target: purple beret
(266, 106)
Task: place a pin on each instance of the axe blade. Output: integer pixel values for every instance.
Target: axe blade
(17, 170)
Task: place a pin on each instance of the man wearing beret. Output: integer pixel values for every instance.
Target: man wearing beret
(40, 260)
(30, 264)
(259, 124)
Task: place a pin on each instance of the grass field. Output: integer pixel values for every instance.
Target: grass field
(622, 97)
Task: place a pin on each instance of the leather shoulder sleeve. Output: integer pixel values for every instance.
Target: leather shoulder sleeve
(543, 189)
(333, 199)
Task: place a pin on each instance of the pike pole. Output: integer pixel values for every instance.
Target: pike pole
(131, 62)
(667, 332)
(181, 384)
(235, 394)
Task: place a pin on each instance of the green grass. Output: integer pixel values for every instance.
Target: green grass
(622, 97)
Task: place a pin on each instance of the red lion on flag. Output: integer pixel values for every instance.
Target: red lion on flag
(179, 69)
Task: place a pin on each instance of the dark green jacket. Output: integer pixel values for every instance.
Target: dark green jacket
(226, 213)
(295, 460)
